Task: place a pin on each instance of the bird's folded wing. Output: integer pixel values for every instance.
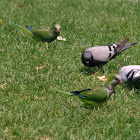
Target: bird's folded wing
(98, 95)
(42, 33)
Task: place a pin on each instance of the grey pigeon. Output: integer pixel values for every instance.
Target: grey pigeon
(131, 74)
(100, 55)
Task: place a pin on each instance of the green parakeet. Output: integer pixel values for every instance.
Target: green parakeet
(43, 35)
(96, 97)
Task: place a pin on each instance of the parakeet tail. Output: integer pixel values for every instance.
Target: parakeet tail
(22, 28)
(30, 29)
(64, 92)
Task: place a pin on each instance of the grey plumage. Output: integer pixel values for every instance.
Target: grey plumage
(100, 55)
(127, 46)
(131, 74)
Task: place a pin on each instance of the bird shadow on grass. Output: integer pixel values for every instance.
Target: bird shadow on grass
(91, 107)
(134, 87)
(89, 70)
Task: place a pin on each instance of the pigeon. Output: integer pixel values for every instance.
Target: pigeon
(43, 35)
(96, 97)
(100, 55)
(131, 74)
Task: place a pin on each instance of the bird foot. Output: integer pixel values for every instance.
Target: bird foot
(94, 73)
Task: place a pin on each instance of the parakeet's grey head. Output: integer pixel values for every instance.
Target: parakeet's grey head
(117, 77)
(56, 28)
(112, 81)
(116, 80)
(87, 59)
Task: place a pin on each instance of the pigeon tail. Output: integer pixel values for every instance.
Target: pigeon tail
(123, 41)
(127, 46)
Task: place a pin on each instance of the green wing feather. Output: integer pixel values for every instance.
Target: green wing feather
(22, 28)
(43, 34)
(98, 95)
(91, 103)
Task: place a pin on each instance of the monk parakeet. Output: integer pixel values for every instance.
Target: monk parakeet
(43, 35)
(100, 55)
(131, 74)
(96, 97)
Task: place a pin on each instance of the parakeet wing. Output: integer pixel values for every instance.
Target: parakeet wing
(98, 95)
(43, 34)
(91, 103)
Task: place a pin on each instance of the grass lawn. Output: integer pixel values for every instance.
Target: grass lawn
(29, 109)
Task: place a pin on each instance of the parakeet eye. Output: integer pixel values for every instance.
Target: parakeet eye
(116, 78)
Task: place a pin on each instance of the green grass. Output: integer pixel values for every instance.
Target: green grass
(29, 109)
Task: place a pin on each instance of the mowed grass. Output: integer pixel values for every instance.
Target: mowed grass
(29, 108)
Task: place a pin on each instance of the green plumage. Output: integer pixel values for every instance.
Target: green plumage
(95, 97)
(22, 28)
(43, 35)
(99, 96)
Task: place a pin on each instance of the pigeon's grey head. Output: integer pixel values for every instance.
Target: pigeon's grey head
(87, 59)
(56, 28)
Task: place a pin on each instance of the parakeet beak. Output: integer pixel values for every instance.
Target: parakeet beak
(57, 30)
(119, 81)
